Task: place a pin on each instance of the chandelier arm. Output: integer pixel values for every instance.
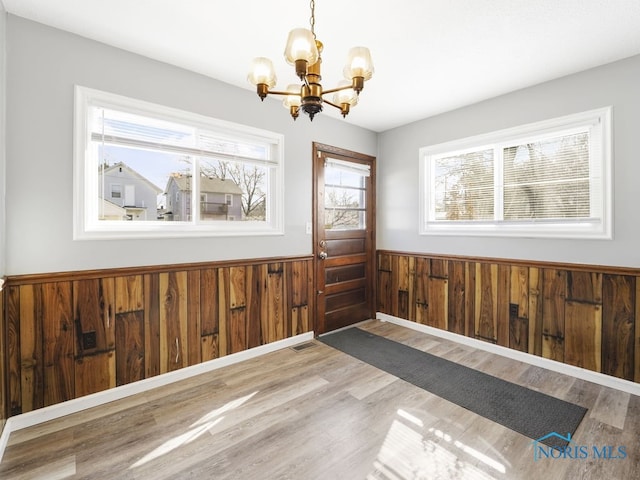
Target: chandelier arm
(331, 103)
(337, 89)
(289, 94)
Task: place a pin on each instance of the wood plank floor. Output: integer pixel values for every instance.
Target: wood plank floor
(317, 413)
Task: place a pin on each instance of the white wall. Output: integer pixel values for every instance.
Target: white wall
(616, 84)
(43, 64)
(3, 41)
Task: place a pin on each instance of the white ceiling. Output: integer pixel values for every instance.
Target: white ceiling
(430, 56)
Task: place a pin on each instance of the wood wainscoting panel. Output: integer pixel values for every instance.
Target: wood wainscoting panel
(173, 321)
(193, 317)
(130, 347)
(384, 290)
(94, 315)
(13, 318)
(129, 293)
(583, 335)
(535, 311)
(582, 315)
(554, 293)
(486, 302)
(54, 301)
(75, 333)
(636, 376)
(255, 284)
(95, 373)
(4, 366)
(457, 298)
(618, 325)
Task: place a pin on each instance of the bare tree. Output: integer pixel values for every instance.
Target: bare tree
(343, 212)
(250, 179)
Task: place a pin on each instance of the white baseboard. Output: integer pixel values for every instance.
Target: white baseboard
(58, 410)
(584, 374)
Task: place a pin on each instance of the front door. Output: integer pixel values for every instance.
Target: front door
(344, 237)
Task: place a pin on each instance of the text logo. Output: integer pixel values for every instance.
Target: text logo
(568, 449)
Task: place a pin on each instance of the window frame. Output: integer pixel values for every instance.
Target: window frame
(87, 226)
(598, 121)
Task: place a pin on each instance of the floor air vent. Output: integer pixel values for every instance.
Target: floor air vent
(304, 346)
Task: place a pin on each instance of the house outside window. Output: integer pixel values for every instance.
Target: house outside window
(548, 179)
(182, 172)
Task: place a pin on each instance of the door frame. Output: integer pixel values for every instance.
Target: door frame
(318, 149)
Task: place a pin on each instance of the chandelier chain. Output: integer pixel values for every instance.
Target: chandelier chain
(312, 20)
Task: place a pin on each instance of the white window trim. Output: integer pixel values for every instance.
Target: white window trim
(598, 118)
(86, 225)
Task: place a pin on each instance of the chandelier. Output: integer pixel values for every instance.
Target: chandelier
(303, 51)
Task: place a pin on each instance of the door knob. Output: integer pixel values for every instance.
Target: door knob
(322, 255)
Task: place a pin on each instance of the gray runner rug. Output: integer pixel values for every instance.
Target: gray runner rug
(523, 410)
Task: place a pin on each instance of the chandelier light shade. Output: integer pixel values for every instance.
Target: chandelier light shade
(303, 50)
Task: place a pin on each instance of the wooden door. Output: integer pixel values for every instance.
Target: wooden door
(343, 237)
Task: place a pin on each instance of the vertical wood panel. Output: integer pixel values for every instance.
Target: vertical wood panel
(637, 333)
(237, 330)
(486, 302)
(618, 319)
(470, 299)
(237, 296)
(94, 314)
(502, 331)
(31, 348)
(152, 324)
(173, 321)
(519, 290)
(438, 310)
(129, 295)
(193, 317)
(518, 308)
(273, 305)
(584, 287)
(421, 280)
(209, 301)
(95, 373)
(209, 347)
(518, 333)
(13, 318)
(554, 288)
(129, 354)
(535, 311)
(4, 365)
(583, 335)
(457, 299)
(297, 280)
(385, 289)
(57, 337)
(402, 280)
(300, 320)
(421, 287)
(223, 311)
(439, 268)
(255, 289)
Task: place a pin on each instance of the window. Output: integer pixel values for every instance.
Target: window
(116, 190)
(548, 179)
(344, 194)
(181, 172)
